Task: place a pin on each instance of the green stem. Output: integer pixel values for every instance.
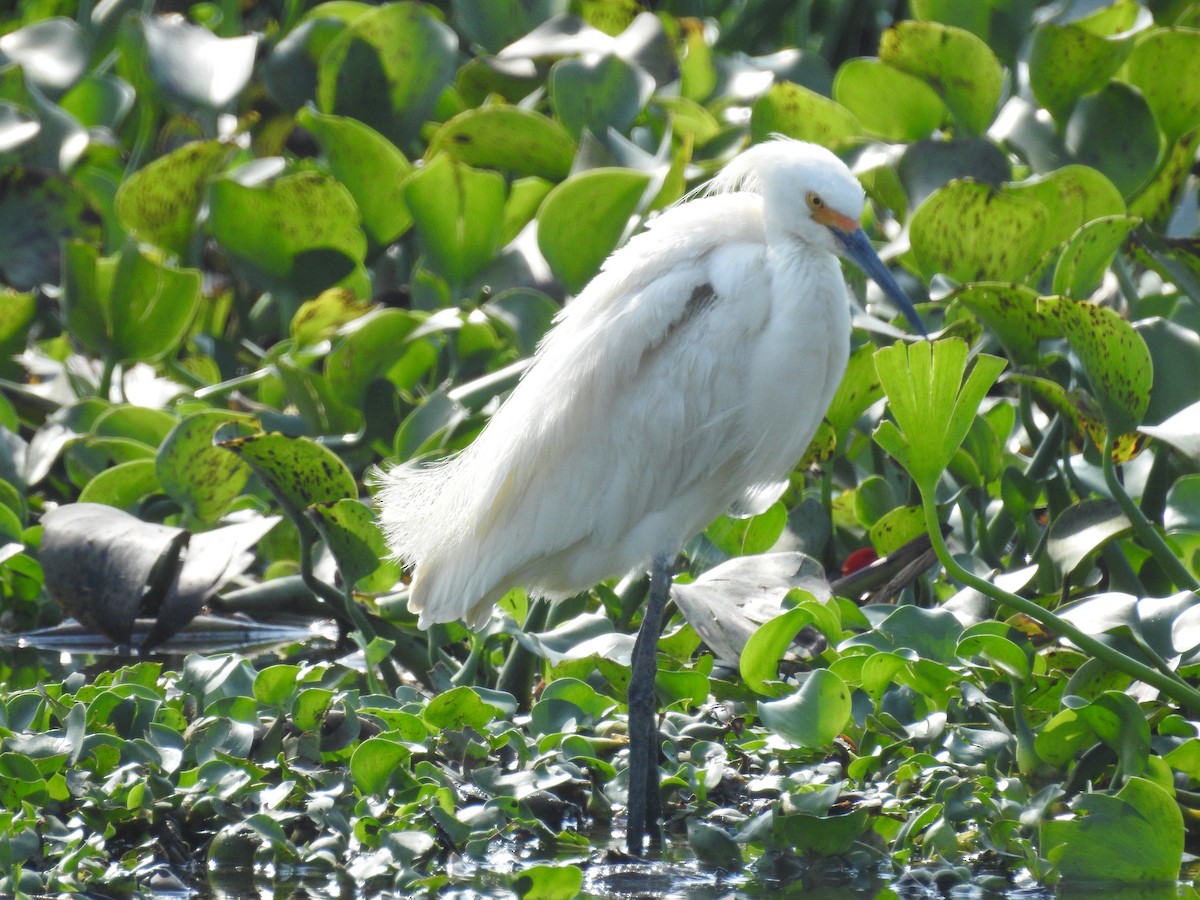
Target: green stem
(106, 377)
(1145, 531)
(1170, 685)
(233, 384)
(344, 607)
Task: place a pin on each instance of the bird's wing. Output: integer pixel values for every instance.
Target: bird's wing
(626, 435)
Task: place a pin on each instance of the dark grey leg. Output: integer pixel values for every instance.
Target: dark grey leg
(645, 804)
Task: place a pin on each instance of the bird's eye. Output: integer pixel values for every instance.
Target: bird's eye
(814, 200)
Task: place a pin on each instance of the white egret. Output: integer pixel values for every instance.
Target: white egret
(687, 378)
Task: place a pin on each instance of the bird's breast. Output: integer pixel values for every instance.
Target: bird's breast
(798, 363)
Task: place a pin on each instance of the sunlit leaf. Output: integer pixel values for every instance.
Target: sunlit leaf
(913, 109)
(302, 229)
(1114, 356)
(796, 111)
(974, 232)
(161, 201)
(932, 406)
(370, 167)
(459, 213)
(1133, 837)
(509, 138)
(955, 63)
(400, 54)
(193, 66)
(1070, 60)
(583, 218)
(1165, 67)
(202, 478)
(814, 715)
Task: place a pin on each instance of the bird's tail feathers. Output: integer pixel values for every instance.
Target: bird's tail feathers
(417, 508)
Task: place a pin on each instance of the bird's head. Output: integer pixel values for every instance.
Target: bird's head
(811, 195)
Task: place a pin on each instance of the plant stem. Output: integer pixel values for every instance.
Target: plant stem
(1170, 685)
(104, 388)
(1145, 531)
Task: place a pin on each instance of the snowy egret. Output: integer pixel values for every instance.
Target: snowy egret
(685, 380)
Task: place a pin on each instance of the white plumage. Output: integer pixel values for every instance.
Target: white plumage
(687, 378)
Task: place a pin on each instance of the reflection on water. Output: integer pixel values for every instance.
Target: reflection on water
(51, 654)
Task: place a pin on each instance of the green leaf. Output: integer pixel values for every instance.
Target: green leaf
(509, 138)
(302, 470)
(814, 715)
(858, 390)
(1119, 722)
(1113, 355)
(697, 73)
(275, 685)
(955, 63)
(1165, 67)
(873, 499)
(290, 71)
(202, 478)
(1008, 659)
(376, 762)
(497, 23)
(1114, 131)
(387, 69)
(1068, 61)
(370, 167)
(459, 214)
(713, 847)
(549, 882)
(1089, 253)
(317, 319)
(913, 109)
(1081, 530)
(1062, 739)
(300, 230)
(311, 706)
(128, 307)
(370, 348)
(1173, 348)
(598, 92)
(973, 232)
(797, 112)
(459, 708)
(147, 426)
(973, 17)
(831, 835)
(161, 201)
(582, 220)
(350, 532)
(1158, 200)
(748, 535)
(525, 197)
(1135, 837)
(932, 634)
(123, 485)
(427, 426)
(1073, 196)
(897, 528)
(932, 407)
(759, 662)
